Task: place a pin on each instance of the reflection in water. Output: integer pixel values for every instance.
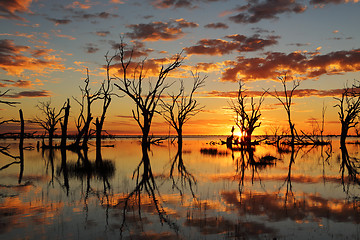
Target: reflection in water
(206, 192)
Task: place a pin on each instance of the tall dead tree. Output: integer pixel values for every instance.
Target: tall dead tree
(181, 107)
(146, 102)
(247, 114)
(51, 118)
(286, 100)
(105, 94)
(85, 116)
(64, 124)
(348, 109)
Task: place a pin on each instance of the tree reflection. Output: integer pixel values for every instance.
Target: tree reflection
(351, 165)
(145, 183)
(184, 177)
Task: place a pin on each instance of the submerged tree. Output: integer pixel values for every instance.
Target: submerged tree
(146, 102)
(105, 94)
(286, 101)
(181, 107)
(85, 116)
(51, 118)
(247, 114)
(349, 109)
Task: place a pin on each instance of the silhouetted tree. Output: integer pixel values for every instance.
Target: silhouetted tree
(247, 115)
(146, 102)
(348, 109)
(287, 102)
(50, 119)
(181, 107)
(64, 124)
(105, 94)
(85, 116)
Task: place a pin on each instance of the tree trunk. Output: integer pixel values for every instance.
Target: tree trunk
(64, 125)
(21, 145)
(344, 133)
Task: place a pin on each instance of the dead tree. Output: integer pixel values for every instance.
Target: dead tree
(50, 119)
(85, 116)
(105, 94)
(247, 115)
(146, 102)
(348, 110)
(287, 102)
(64, 124)
(181, 107)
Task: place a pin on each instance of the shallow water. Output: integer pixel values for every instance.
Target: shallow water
(206, 192)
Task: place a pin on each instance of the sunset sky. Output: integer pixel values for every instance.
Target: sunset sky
(46, 46)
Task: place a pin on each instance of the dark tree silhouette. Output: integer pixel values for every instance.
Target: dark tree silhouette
(247, 116)
(64, 124)
(181, 107)
(51, 118)
(348, 109)
(105, 94)
(287, 102)
(146, 102)
(85, 116)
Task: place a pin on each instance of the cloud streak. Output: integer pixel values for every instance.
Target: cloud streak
(240, 43)
(256, 11)
(9, 9)
(297, 64)
(165, 31)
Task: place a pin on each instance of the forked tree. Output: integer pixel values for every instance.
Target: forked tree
(247, 113)
(286, 101)
(182, 107)
(132, 85)
(50, 119)
(105, 94)
(85, 117)
(348, 109)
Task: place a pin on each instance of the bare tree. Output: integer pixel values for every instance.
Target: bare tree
(181, 107)
(286, 101)
(348, 109)
(146, 102)
(85, 116)
(64, 124)
(50, 119)
(247, 115)
(105, 94)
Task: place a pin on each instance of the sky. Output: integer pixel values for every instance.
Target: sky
(46, 47)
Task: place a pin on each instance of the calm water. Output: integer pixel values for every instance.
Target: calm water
(205, 192)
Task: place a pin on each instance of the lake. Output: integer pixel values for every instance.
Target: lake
(203, 191)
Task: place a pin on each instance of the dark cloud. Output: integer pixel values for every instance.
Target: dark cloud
(324, 2)
(217, 25)
(18, 83)
(10, 8)
(301, 65)
(91, 48)
(153, 31)
(239, 43)
(31, 94)
(137, 49)
(87, 16)
(180, 3)
(256, 11)
(59, 21)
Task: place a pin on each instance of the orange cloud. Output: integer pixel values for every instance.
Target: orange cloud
(295, 64)
(238, 42)
(14, 62)
(10, 8)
